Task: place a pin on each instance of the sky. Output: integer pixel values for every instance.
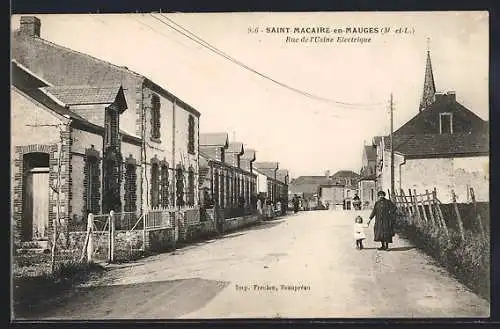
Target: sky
(306, 134)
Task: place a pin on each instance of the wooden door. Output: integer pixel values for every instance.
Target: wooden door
(39, 193)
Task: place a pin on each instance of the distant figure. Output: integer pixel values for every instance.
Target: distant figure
(295, 202)
(384, 212)
(259, 206)
(359, 232)
(356, 202)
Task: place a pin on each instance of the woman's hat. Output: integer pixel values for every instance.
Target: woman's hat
(381, 193)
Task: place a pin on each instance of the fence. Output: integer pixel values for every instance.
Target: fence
(425, 208)
(123, 236)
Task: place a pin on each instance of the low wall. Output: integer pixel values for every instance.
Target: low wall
(127, 244)
(160, 239)
(233, 224)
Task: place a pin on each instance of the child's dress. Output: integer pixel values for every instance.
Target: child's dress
(359, 231)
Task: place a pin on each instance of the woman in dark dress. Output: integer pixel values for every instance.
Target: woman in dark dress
(384, 212)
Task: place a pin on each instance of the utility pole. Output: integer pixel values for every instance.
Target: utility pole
(392, 145)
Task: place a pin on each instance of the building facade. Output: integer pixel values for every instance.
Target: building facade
(151, 163)
(66, 154)
(444, 146)
(226, 181)
(167, 125)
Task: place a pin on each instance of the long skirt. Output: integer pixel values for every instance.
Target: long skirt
(383, 230)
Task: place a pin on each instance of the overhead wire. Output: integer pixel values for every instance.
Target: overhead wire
(217, 51)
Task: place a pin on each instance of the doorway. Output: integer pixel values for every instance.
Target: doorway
(36, 189)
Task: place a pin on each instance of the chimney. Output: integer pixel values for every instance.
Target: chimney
(448, 97)
(327, 173)
(30, 25)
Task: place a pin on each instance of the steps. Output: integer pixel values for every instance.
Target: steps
(33, 247)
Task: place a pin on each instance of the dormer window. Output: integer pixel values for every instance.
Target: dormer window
(155, 117)
(446, 123)
(222, 155)
(111, 134)
(191, 135)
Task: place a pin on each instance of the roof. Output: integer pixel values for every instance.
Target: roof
(371, 152)
(427, 121)
(281, 175)
(377, 140)
(368, 177)
(267, 172)
(308, 184)
(249, 155)
(66, 66)
(235, 147)
(435, 145)
(266, 165)
(214, 139)
(82, 95)
(345, 173)
(33, 87)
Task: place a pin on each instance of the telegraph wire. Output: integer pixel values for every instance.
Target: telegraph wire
(207, 45)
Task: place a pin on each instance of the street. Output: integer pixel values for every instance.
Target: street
(302, 265)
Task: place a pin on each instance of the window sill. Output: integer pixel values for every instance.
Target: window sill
(156, 140)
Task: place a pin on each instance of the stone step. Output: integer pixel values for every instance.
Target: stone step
(32, 250)
(36, 244)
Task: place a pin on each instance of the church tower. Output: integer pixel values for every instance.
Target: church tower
(429, 91)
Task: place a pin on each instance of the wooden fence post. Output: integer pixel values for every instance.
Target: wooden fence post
(407, 204)
(415, 203)
(429, 206)
(459, 218)
(478, 216)
(90, 230)
(111, 236)
(144, 215)
(423, 206)
(439, 213)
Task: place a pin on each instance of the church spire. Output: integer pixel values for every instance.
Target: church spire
(429, 86)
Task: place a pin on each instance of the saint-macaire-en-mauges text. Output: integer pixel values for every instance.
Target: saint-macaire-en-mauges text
(325, 34)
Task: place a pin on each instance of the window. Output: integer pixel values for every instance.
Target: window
(130, 187)
(155, 185)
(215, 185)
(155, 117)
(164, 185)
(179, 186)
(191, 134)
(91, 184)
(222, 155)
(190, 196)
(446, 123)
(112, 172)
(222, 190)
(372, 194)
(111, 132)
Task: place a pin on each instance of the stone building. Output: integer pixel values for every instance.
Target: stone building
(444, 146)
(67, 141)
(226, 176)
(166, 165)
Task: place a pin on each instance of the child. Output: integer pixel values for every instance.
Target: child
(359, 233)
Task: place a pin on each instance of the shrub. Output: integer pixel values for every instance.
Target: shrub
(466, 260)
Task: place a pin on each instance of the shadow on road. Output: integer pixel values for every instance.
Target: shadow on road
(401, 248)
(390, 249)
(153, 300)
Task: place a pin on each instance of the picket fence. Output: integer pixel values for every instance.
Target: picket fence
(426, 208)
(103, 228)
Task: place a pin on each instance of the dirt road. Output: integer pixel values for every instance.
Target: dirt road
(305, 265)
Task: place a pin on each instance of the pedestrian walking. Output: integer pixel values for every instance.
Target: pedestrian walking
(296, 204)
(356, 202)
(359, 232)
(384, 212)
